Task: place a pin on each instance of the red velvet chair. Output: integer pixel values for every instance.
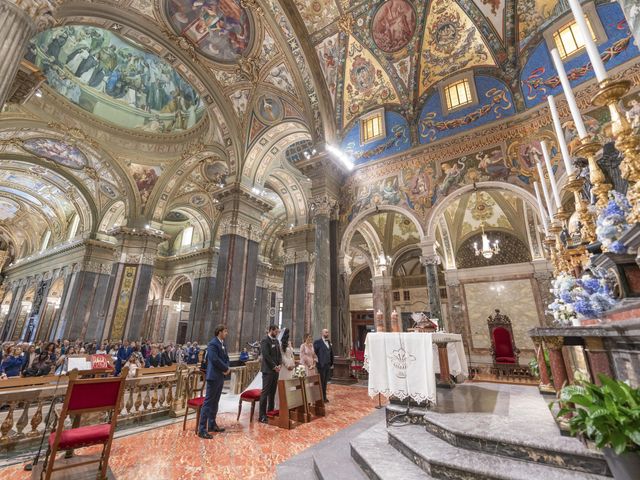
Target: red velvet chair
(87, 396)
(252, 396)
(357, 368)
(195, 396)
(503, 347)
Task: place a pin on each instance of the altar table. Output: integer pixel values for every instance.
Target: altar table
(404, 365)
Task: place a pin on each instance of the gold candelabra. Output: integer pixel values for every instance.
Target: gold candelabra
(626, 141)
(588, 224)
(588, 149)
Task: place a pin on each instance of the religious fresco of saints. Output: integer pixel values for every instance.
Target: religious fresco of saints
(57, 151)
(220, 29)
(393, 25)
(145, 178)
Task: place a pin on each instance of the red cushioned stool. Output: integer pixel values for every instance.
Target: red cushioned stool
(87, 396)
(195, 396)
(252, 396)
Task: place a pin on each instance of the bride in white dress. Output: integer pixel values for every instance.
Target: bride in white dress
(288, 360)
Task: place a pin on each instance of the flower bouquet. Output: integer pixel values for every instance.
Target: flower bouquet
(612, 223)
(575, 298)
(300, 371)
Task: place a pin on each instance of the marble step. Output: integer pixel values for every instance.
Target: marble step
(379, 460)
(445, 461)
(557, 451)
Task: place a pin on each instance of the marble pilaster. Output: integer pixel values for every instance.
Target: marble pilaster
(545, 382)
(20, 20)
(598, 358)
(383, 298)
(236, 274)
(556, 360)
(430, 263)
(457, 305)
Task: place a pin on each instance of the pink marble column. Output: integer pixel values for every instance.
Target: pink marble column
(545, 382)
(558, 369)
(598, 358)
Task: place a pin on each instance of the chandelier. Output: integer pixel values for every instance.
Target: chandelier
(489, 249)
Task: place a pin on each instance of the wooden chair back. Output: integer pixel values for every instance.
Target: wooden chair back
(92, 395)
(313, 395)
(196, 381)
(144, 372)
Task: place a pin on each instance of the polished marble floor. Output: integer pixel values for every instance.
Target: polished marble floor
(245, 451)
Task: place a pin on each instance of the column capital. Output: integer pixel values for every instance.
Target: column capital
(241, 211)
(39, 11)
(381, 281)
(323, 205)
(554, 343)
(430, 260)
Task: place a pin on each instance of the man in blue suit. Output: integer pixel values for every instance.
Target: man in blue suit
(217, 368)
(124, 352)
(324, 352)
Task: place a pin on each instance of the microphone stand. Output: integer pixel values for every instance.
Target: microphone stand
(29, 466)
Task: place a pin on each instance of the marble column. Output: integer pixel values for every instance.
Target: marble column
(236, 273)
(598, 358)
(556, 360)
(431, 263)
(298, 244)
(202, 300)
(14, 310)
(20, 20)
(7, 320)
(545, 382)
(383, 298)
(130, 282)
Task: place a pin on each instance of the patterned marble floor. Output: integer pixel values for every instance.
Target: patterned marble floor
(245, 451)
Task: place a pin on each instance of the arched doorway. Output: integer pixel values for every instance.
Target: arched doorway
(50, 310)
(181, 304)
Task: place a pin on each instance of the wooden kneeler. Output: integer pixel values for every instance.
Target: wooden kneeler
(292, 404)
(313, 396)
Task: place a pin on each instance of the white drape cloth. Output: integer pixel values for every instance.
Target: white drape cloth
(455, 352)
(400, 365)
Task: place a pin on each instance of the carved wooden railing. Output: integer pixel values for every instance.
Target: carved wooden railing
(23, 411)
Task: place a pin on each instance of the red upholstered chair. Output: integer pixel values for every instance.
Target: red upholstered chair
(503, 347)
(87, 396)
(252, 396)
(357, 367)
(196, 382)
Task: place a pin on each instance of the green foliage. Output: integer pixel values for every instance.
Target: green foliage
(608, 414)
(534, 366)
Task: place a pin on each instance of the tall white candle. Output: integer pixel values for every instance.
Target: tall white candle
(543, 215)
(566, 157)
(545, 190)
(552, 178)
(571, 100)
(590, 45)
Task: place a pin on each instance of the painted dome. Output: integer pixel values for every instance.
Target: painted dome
(115, 80)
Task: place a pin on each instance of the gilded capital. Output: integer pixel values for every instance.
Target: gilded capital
(40, 11)
(554, 343)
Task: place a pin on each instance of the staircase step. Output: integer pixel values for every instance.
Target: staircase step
(379, 460)
(443, 460)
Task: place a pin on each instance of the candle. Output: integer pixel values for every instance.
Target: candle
(543, 215)
(552, 178)
(571, 100)
(545, 190)
(566, 157)
(590, 45)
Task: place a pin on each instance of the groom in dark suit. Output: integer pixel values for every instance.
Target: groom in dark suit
(270, 367)
(217, 368)
(324, 352)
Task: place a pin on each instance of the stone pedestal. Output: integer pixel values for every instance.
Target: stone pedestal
(545, 382)
(20, 20)
(342, 371)
(598, 358)
(556, 360)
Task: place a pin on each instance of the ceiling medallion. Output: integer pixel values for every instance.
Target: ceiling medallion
(393, 25)
(221, 30)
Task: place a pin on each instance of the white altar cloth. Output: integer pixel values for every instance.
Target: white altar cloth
(399, 364)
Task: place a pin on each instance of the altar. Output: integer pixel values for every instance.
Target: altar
(404, 365)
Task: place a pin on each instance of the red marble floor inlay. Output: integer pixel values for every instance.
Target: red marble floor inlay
(245, 451)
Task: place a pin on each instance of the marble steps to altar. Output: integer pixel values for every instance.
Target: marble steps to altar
(442, 460)
(379, 460)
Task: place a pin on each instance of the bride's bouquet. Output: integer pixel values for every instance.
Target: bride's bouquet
(299, 371)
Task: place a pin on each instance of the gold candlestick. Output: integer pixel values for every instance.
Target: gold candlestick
(588, 224)
(557, 248)
(588, 150)
(610, 94)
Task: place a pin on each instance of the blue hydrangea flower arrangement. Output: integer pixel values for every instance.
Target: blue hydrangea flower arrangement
(612, 224)
(585, 297)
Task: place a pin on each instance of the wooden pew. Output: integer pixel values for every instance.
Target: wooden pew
(313, 396)
(25, 382)
(144, 372)
(292, 406)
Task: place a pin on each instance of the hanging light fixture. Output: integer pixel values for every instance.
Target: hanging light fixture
(489, 249)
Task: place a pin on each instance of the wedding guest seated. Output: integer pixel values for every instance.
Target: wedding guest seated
(41, 366)
(194, 351)
(51, 350)
(12, 362)
(166, 357)
(28, 358)
(244, 356)
(134, 363)
(155, 358)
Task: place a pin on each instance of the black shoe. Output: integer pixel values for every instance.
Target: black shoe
(206, 435)
(263, 420)
(217, 429)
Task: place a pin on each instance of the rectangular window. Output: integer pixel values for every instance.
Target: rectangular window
(372, 127)
(396, 296)
(187, 236)
(458, 94)
(568, 39)
(406, 295)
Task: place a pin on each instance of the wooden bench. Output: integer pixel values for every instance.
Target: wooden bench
(22, 382)
(292, 406)
(313, 396)
(144, 372)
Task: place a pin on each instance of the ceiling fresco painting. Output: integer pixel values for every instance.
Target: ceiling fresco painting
(393, 25)
(494, 11)
(145, 177)
(57, 151)
(221, 29)
(115, 80)
(451, 43)
(329, 54)
(532, 14)
(8, 209)
(366, 84)
(317, 14)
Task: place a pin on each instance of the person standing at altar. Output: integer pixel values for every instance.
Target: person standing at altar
(308, 356)
(288, 360)
(270, 367)
(217, 368)
(324, 352)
